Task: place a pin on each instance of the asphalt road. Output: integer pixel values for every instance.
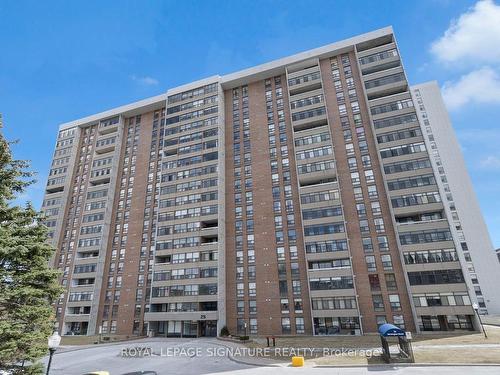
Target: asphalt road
(373, 370)
(208, 356)
(166, 356)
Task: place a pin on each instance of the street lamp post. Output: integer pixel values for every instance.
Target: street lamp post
(53, 341)
(475, 306)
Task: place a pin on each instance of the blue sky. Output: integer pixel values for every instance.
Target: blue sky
(62, 60)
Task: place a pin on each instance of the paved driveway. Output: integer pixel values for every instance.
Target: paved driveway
(169, 356)
(207, 356)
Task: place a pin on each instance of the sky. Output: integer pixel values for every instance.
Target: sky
(63, 60)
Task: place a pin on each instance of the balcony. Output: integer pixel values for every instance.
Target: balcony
(304, 80)
(309, 119)
(105, 145)
(335, 313)
(100, 179)
(386, 83)
(444, 310)
(316, 173)
(55, 185)
(93, 255)
(109, 126)
(76, 317)
(378, 59)
(209, 228)
(180, 315)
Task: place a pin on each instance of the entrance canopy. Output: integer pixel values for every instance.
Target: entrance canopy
(390, 330)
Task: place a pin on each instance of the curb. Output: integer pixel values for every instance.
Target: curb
(396, 365)
(241, 362)
(284, 364)
(91, 346)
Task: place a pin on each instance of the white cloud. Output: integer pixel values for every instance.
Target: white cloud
(478, 135)
(490, 162)
(475, 36)
(478, 86)
(146, 81)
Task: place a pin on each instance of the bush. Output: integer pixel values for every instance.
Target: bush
(224, 332)
(244, 338)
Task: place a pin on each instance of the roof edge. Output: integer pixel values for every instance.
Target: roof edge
(232, 78)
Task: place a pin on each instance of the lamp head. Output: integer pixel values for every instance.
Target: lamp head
(54, 340)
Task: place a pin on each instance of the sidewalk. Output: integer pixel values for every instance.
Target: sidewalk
(465, 348)
(250, 360)
(331, 362)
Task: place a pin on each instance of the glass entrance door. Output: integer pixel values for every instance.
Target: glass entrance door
(208, 328)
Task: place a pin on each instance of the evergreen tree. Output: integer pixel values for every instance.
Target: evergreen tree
(28, 286)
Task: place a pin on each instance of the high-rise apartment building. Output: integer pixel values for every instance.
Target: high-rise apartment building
(471, 234)
(295, 197)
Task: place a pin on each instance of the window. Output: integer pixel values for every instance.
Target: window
(280, 253)
(298, 307)
(387, 262)
(316, 213)
(320, 229)
(407, 166)
(349, 148)
(372, 191)
(390, 281)
(381, 319)
(299, 325)
(240, 307)
(430, 256)
(240, 289)
(326, 246)
(360, 208)
(285, 326)
(367, 245)
(399, 321)
(366, 160)
(363, 226)
(378, 56)
(252, 307)
(297, 116)
(392, 106)
(285, 308)
(394, 301)
(416, 199)
(352, 163)
(370, 263)
(450, 276)
(369, 177)
(355, 178)
(393, 78)
(253, 326)
(374, 282)
(378, 302)
(358, 193)
(326, 283)
(402, 150)
(406, 183)
(426, 236)
(252, 290)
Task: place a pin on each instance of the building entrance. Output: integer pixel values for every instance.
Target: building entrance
(207, 328)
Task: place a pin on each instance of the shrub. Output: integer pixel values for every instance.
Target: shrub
(224, 332)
